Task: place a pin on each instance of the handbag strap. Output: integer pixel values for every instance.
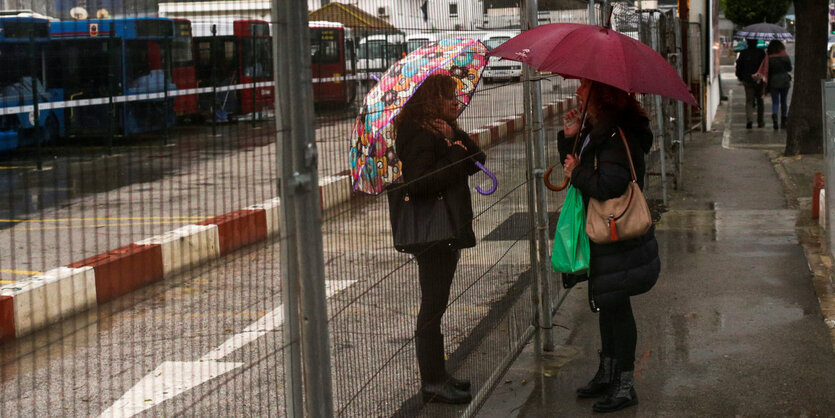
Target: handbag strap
(628, 155)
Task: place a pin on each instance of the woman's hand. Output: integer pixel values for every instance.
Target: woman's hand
(571, 123)
(569, 165)
(456, 143)
(443, 128)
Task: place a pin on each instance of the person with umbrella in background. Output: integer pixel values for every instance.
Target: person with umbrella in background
(437, 158)
(774, 72)
(747, 64)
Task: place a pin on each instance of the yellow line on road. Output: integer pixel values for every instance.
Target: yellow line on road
(26, 272)
(7, 281)
(18, 167)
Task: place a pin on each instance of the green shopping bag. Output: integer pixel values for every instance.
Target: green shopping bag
(571, 244)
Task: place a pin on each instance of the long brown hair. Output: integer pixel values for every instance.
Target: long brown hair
(425, 104)
(604, 98)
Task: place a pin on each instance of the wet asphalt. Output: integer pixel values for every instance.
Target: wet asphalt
(733, 327)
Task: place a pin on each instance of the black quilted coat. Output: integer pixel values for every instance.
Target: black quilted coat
(624, 268)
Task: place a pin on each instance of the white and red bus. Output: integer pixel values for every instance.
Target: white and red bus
(235, 57)
(333, 63)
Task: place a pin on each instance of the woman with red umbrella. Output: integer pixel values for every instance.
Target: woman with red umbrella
(596, 160)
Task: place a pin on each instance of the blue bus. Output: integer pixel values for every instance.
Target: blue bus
(23, 51)
(117, 74)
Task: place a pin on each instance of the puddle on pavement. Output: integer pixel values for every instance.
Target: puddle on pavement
(552, 362)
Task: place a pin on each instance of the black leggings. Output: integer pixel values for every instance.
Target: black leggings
(618, 333)
(436, 268)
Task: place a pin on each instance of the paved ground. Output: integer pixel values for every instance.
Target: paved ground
(734, 325)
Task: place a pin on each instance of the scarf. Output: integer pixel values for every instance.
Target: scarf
(762, 72)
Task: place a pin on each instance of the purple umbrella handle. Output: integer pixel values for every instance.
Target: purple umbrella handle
(492, 177)
(377, 79)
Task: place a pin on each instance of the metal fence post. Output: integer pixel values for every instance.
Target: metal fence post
(659, 112)
(535, 153)
(679, 104)
(307, 356)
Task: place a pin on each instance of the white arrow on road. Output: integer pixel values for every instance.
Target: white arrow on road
(172, 378)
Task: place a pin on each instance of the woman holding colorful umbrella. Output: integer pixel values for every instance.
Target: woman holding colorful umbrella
(437, 158)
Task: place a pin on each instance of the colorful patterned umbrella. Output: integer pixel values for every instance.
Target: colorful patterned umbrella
(374, 163)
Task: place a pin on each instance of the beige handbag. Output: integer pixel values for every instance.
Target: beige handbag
(622, 218)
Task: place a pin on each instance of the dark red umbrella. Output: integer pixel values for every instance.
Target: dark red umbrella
(575, 50)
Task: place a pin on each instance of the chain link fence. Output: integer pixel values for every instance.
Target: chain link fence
(149, 156)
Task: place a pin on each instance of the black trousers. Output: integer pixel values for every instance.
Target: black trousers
(436, 268)
(618, 333)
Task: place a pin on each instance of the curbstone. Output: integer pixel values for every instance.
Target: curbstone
(7, 328)
(124, 270)
(272, 209)
(239, 228)
(482, 137)
(186, 247)
(50, 297)
(334, 190)
(822, 208)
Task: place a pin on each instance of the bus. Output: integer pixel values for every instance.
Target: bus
(376, 53)
(116, 74)
(182, 71)
(332, 63)
(236, 59)
(23, 47)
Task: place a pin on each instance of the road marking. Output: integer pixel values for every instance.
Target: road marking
(25, 272)
(172, 378)
(18, 167)
(726, 134)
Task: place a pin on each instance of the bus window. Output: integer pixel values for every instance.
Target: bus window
(371, 50)
(324, 52)
(257, 57)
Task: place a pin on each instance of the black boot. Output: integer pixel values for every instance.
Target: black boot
(774, 119)
(783, 122)
(621, 395)
(599, 384)
(460, 384)
(435, 385)
(443, 392)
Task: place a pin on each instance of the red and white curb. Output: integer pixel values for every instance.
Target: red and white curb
(47, 298)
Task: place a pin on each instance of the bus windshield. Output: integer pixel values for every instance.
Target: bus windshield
(492, 43)
(415, 44)
(379, 49)
(324, 46)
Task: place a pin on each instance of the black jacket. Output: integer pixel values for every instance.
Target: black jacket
(778, 72)
(623, 268)
(748, 63)
(431, 167)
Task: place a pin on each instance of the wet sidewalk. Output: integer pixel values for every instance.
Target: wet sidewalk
(734, 325)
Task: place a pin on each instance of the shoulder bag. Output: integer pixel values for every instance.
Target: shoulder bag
(419, 223)
(621, 218)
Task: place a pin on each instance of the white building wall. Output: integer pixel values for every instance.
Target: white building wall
(712, 94)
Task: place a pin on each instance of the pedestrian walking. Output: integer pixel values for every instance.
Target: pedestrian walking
(437, 158)
(775, 72)
(620, 269)
(747, 64)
